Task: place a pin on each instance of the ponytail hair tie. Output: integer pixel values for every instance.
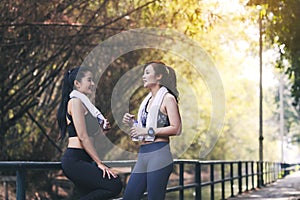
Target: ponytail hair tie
(167, 69)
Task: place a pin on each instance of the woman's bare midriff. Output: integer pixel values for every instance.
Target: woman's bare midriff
(159, 139)
(74, 142)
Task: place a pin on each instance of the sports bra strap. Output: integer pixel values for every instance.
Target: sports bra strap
(69, 117)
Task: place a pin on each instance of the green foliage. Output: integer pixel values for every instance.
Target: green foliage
(41, 40)
(282, 27)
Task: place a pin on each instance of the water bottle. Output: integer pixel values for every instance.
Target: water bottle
(104, 124)
(135, 124)
(102, 121)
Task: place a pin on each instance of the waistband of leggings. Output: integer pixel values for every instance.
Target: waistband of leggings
(77, 153)
(154, 146)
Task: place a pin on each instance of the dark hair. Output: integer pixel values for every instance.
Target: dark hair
(67, 86)
(168, 76)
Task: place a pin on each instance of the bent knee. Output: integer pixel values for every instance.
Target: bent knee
(117, 187)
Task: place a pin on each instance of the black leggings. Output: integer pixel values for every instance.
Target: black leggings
(78, 166)
(151, 172)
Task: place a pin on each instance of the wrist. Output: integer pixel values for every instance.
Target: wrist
(151, 132)
(99, 163)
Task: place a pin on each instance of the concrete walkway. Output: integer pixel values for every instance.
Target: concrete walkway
(287, 188)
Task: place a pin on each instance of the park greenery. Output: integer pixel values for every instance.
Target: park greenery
(41, 40)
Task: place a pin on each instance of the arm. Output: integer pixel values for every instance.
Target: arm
(170, 105)
(128, 119)
(78, 114)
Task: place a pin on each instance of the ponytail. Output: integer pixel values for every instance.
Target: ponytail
(170, 82)
(67, 87)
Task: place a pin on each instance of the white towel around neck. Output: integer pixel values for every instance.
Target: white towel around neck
(153, 110)
(88, 104)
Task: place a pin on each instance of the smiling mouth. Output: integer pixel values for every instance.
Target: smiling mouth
(92, 88)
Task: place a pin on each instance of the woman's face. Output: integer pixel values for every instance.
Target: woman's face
(86, 85)
(149, 77)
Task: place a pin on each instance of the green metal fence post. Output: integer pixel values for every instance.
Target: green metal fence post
(198, 181)
(240, 177)
(181, 180)
(223, 180)
(231, 179)
(20, 184)
(252, 175)
(247, 175)
(212, 180)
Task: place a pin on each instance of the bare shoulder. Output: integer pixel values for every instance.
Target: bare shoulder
(169, 98)
(169, 102)
(75, 103)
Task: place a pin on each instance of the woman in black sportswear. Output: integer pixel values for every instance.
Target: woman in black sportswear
(80, 162)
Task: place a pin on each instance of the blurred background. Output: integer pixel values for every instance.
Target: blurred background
(40, 40)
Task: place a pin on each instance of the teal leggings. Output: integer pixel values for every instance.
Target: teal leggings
(151, 172)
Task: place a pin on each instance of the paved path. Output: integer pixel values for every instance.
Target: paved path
(287, 188)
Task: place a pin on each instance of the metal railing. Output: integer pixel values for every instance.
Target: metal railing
(240, 176)
(223, 173)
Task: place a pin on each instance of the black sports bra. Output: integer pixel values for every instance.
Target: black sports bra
(162, 119)
(91, 122)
